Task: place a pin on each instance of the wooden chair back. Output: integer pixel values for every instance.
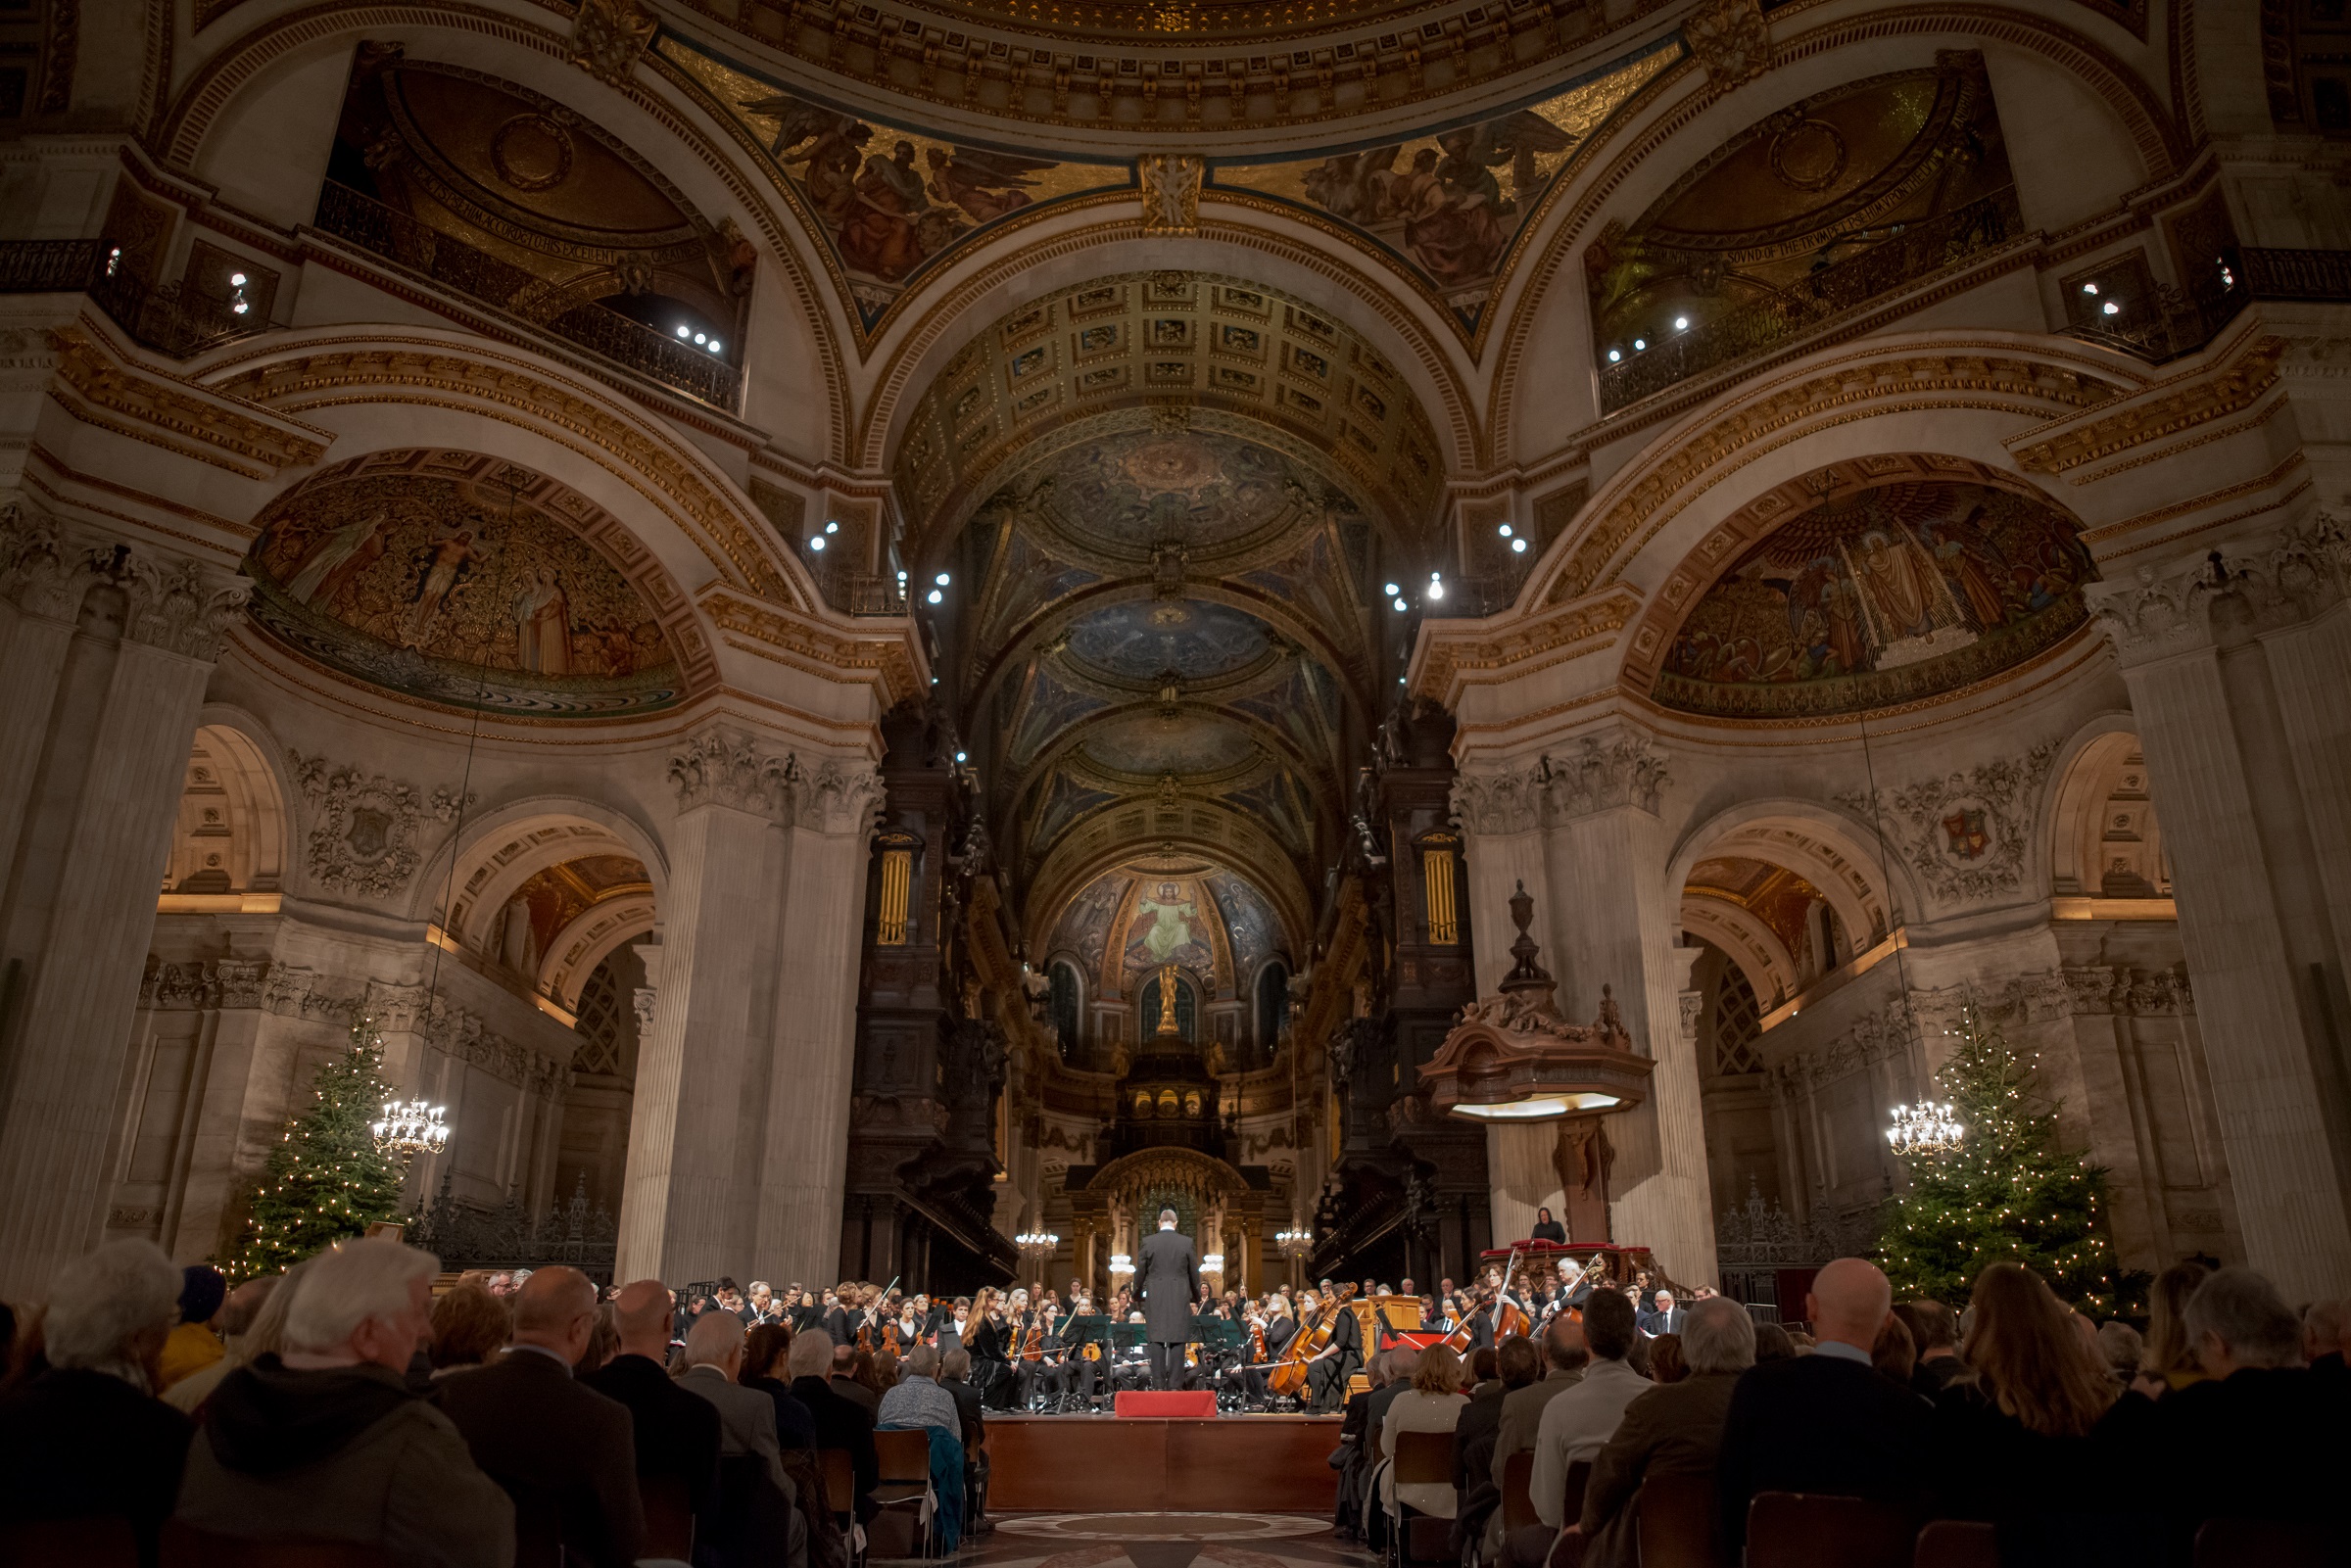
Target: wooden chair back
(1807, 1530)
(86, 1543)
(668, 1516)
(183, 1547)
(2272, 1544)
(841, 1478)
(1518, 1500)
(1424, 1458)
(904, 1459)
(1571, 1491)
(1957, 1543)
(1680, 1524)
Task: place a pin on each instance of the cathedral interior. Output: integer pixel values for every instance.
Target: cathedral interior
(878, 639)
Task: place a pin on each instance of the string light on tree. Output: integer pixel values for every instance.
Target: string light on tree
(327, 1178)
(1992, 1180)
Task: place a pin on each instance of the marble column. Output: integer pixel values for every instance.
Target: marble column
(1581, 828)
(2237, 676)
(107, 662)
(740, 1123)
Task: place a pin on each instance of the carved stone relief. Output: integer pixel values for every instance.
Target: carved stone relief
(716, 768)
(1968, 833)
(362, 838)
(2289, 576)
(1618, 768)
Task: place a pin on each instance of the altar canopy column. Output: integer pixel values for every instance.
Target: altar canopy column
(2237, 684)
(807, 1145)
(104, 654)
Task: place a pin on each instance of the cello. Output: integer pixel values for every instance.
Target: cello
(1288, 1376)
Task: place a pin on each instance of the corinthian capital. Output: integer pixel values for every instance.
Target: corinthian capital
(1599, 772)
(2277, 579)
(179, 605)
(719, 769)
(1498, 802)
(834, 799)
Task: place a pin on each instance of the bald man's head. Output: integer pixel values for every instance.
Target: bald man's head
(1849, 1302)
(642, 1315)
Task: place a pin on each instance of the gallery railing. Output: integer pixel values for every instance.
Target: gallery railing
(1916, 251)
(466, 269)
(159, 316)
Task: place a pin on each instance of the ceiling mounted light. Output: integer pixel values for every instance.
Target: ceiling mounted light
(818, 543)
(1393, 591)
(713, 345)
(1681, 323)
(1401, 606)
(2089, 288)
(2111, 309)
(1640, 343)
(831, 527)
(685, 332)
(962, 756)
(1517, 546)
(1615, 356)
(941, 580)
(935, 597)
(1436, 591)
(700, 337)
(1504, 531)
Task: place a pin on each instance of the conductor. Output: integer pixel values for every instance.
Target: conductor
(1171, 1283)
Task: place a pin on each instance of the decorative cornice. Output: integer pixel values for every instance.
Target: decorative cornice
(2165, 409)
(719, 768)
(214, 426)
(2294, 574)
(777, 632)
(1604, 771)
(1455, 654)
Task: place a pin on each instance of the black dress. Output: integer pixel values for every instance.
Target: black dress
(1549, 1230)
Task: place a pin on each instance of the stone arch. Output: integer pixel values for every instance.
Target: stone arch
(646, 114)
(470, 884)
(2103, 838)
(1542, 358)
(1872, 890)
(234, 833)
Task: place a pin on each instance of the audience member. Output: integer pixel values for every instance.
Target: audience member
(1896, 1354)
(565, 1453)
(2170, 1355)
(1772, 1343)
(2015, 1428)
(1825, 1422)
(675, 1433)
(1432, 1401)
(85, 1438)
(1935, 1333)
(604, 1339)
(971, 1405)
(918, 1400)
(1663, 1318)
(846, 1383)
(195, 1344)
(1665, 1357)
(1671, 1429)
(235, 1320)
(764, 1350)
(2121, 1350)
(708, 1368)
(1517, 1364)
(1580, 1421)
(1565, 1358)
(2325, 1327)
(841, 1422)
(325, 1437)
(470, 1328)
(2256, 1437)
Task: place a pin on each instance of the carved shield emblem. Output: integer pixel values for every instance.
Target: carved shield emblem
(1968, 837)
(370, 835)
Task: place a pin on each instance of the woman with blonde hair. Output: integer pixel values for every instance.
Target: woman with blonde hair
(2017, 1425)
(2170, 1355)
(1433, 1404)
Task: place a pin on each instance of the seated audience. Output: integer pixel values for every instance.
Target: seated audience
(2015, 1429)
(2325, 1326)
(565, 1453)
(675, 1434)
(1825, 1422)
(324, 1438)
(918, 1400)
(2121, 1350)
(1896, 1354)
(1432, 1403)
(470, 1328)
(1672, 1429)
(2256, 1437)
(85, 1438)
(849, 1385)
(239, 1344)
(1934, 1334)
(1663, 1318)
(1565, 1355)
(2170, 1355)
(1516, 1365)
(708, 1368)
(764, 1350)
(195, 1344)
(971, 1406)
(1578, 1424)
(1772, 1343)
(841, 1422)
(1665, 1357)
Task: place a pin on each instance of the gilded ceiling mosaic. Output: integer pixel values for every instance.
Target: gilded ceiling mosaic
(1210, 922)
(449, 577)
(1880, 597)
(1450, 202)
(1776, 896)
(1195, 639)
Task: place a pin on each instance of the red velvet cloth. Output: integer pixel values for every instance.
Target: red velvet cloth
(1165, 1404)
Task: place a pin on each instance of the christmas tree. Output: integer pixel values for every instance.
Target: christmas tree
(326, 1179)
(2009, 1192)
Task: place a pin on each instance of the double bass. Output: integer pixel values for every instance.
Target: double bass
(1288, 1376)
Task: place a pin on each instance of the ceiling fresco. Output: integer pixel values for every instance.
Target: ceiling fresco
(1886, 595)
(561, 894)
(1155, 744)
(1212, 922)
(449, 577)
(1775, 896)
(1449, 202)
(1195, 639)
(1131, 492)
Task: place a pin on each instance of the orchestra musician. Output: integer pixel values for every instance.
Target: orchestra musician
(1326, 1374)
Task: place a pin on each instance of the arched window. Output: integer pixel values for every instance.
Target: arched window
(1272, 1007)
(1063, 977)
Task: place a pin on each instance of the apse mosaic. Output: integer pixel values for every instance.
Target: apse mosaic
(888, 202)
(1450, 202)
(1191, 638)
(1886, 595)
(1170, 925)
(1249, 923)
(447, 587)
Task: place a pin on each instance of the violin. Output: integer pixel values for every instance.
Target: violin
(1028, 1343)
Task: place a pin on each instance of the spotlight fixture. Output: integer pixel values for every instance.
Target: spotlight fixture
(1436, 591)
(2089, 288)
(2111, 309)
(1393, 591)
(935, 597)
(685, 332)
(941, 580)
(817, 543)
(1640, 343)
(1517, 546)
(1681, 323)
(831, 527)
(1504, 530)
(1614, 354)
(1401, 606)
(961, 758)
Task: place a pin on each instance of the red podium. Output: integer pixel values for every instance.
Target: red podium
(1165, 1404)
